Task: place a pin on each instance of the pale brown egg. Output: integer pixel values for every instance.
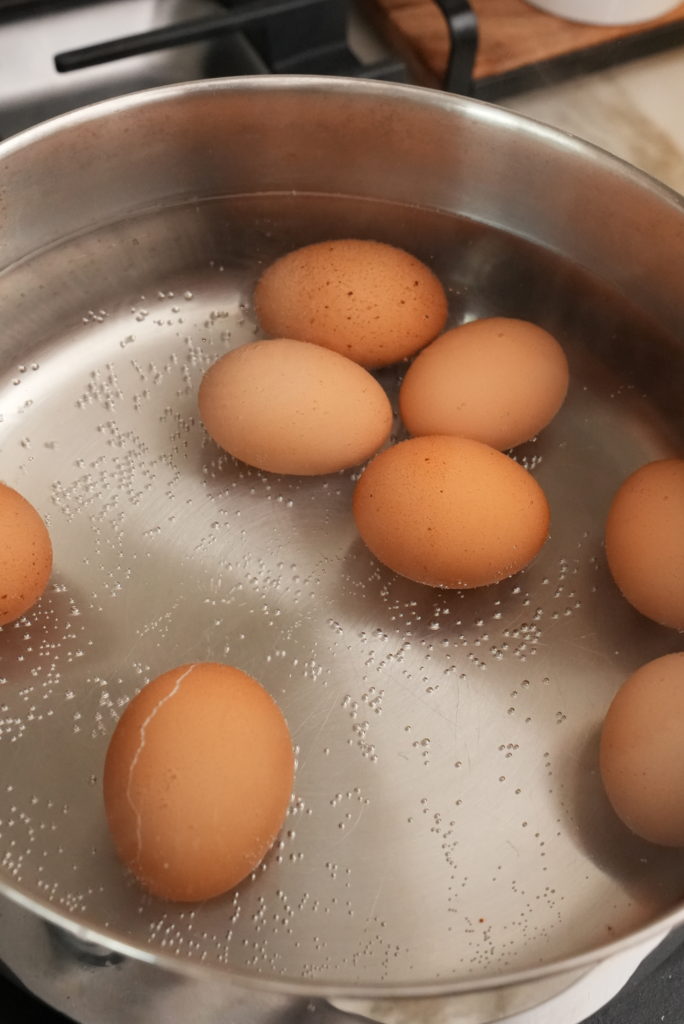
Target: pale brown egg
(645, 541)
(197, 781)
(25, 555)
(642, 751)
(367, 300)
(290, 407)
(499, 381)
(450, 512)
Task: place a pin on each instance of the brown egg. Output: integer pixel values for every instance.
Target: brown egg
(642, 751)
(645, 541)
(25, 555)
(499, 381)
(369, 301)
(290, 407)
(450, 512)
(197, 781)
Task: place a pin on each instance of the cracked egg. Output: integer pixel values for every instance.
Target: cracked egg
(197, 781)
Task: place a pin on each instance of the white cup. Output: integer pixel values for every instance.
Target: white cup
(606, 12)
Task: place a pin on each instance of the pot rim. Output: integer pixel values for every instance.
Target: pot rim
(471, 109)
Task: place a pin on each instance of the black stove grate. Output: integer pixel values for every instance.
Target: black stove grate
(288, 36)
(25, 8)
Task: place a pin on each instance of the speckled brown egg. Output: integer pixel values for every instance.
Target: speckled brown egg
(450, 512)
(498, 380)
(290, 407)
(367, 300)
(645, 541)
(25, 555)
(642, 751)
(197, 781)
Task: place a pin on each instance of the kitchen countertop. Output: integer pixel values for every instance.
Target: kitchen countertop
(634, 110)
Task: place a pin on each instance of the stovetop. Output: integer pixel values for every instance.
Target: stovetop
(34, 32)
(56, 55)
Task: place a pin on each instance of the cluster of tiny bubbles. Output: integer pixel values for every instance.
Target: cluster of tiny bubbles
(102, 389)
(423, 747)
(351, 804)
(112, 697)
(478, 641)
(360, 727)
(564, 594)
(23, 372)
(20, 833)
(43, 647)
(249, 922)
(375, 956)
(95, 316)
(183, 930)
(528, 460)
(32, 831)
(500, 940)
(122, 472)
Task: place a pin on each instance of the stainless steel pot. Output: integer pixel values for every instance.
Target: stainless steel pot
(448, 839)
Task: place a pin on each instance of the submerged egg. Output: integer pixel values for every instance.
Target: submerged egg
(642, 751)
(367, 300)
(290, 407)
(25, 555)
(450, 512)
(645, 541)
(497, 380)
(197, 780)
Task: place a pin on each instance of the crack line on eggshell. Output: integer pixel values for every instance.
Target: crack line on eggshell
(136, 757)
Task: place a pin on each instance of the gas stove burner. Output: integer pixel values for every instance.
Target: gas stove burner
(113, 47)
(296, 37)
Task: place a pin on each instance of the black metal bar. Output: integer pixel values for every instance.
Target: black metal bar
(463, 31)
(243, 16)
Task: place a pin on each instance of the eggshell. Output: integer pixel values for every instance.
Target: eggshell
(367, 300)
(197, 780)
(450, 512)
(289, 407)
(645, 541)
(25, 555)
(642, 751)
(499, 381)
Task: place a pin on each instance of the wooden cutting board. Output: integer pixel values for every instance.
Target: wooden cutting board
(515, 37)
